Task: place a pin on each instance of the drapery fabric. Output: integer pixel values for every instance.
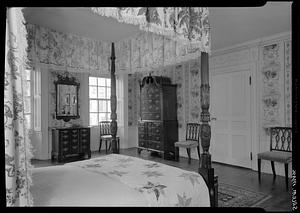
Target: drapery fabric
(143, 52)
(17, 144)
(186, 24)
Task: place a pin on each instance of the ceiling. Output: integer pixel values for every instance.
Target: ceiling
(229, 25)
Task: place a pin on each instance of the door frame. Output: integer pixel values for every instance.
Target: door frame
(251, 67)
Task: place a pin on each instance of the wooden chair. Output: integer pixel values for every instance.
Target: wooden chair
(191, 140)
(280, 150)
(105, 135)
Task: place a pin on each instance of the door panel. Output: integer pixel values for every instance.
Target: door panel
(230, 104)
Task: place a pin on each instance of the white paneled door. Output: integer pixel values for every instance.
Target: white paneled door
(231, 121)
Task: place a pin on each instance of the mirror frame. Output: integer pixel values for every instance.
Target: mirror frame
(66, 80)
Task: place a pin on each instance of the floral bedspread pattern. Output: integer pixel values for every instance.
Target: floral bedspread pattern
(160, 184)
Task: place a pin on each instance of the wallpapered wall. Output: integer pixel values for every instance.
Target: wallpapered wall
(187, 78)
(276, 84)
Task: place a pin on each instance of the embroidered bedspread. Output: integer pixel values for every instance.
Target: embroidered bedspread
(159, 184)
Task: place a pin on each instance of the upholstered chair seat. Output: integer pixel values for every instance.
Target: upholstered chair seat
(278, 156)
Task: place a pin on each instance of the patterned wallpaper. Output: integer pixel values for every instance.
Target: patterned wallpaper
(276, 82)
(187, 78)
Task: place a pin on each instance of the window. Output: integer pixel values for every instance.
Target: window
(99, 97)
(32, 99)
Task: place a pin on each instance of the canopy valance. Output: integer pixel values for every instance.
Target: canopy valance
(189, 25)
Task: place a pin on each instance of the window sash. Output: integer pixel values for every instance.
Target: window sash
(97, 85)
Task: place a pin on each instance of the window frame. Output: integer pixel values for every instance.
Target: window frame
(35, 99)
(106, 98)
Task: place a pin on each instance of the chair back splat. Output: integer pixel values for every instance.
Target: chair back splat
(104, 128)
(193, 131)
(281, 139)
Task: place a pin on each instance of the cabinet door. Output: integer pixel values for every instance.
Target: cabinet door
(84, 139)
(142, 134)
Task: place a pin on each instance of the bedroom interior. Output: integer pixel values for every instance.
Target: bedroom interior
(151, 85)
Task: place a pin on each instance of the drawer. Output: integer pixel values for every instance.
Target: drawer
(151, 116)
(142, 136)
(75, 131)
(154, 145)
(64, 132)
(74, 141)
(155, 130)
(84, 141)
(142, 143)
(155, 137)
(65, 150)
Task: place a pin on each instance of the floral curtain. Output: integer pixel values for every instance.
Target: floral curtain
(185, 24)
(17, 145)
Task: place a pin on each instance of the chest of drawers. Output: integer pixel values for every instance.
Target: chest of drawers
(70, 142)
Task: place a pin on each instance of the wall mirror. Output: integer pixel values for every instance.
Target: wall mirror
(66, 97)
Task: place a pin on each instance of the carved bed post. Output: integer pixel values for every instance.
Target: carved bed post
(113, 102)
(205, 168)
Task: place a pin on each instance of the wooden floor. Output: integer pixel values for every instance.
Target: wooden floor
(280, 201)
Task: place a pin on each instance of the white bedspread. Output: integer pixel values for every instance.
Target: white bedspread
(118, 180)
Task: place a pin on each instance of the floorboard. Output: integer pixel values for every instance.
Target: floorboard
(280, 201)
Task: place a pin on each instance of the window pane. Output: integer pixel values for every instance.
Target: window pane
(108, 106)
(108, 92)
(101, 81)
(108, 116)
(101, 92)
(93, 81)
(102, 106)
(27, 120)
(27, 88)
(27, 106)
(27, 74)
(93, 106)
(93, 92)
(93, 119)
(108, 82)
(102, 117)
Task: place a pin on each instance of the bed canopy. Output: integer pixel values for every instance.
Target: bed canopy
(186, 28)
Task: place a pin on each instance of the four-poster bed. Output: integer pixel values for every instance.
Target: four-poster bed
(196, 31)
(205, 168)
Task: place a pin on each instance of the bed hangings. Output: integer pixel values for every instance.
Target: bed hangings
(187, 24)
(170, 35)
(18, 149)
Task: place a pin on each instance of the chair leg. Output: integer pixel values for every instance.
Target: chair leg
(100, 145)
(118, 140)
(109, 145)
(258, 166)
(176, 153)
(273, 170)
(188, 150)
(286, 168)
(198, 149)
(106, 146)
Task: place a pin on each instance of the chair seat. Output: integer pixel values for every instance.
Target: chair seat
(106, 137)
(278, 156)
(186, 144)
